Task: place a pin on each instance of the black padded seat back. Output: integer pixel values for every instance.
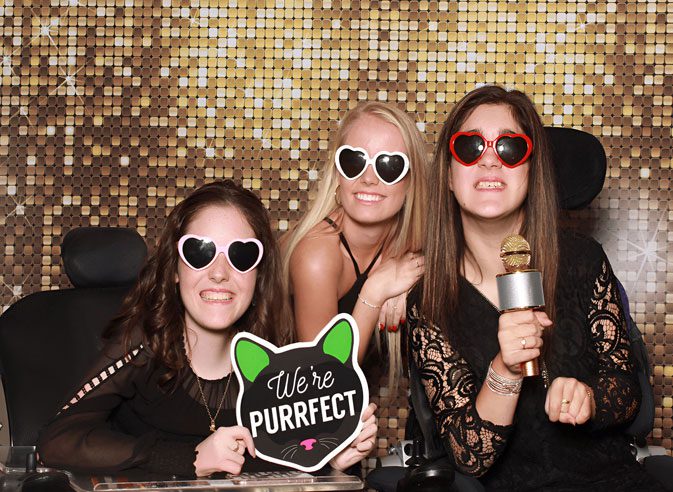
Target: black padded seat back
(580, 164)
(48, 340)
(102, 256)
(641, 426)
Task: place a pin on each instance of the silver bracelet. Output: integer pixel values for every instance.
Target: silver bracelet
(501, 385)
(368, 304)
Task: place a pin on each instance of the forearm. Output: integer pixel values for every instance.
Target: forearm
(617, 398)
(83, 448)
(474, 443)
(107, 451)
(171, 457)
(366, 314)
(493, 406)
(615, 385)
(472, 440)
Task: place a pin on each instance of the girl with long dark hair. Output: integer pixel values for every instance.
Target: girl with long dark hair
(162, 396)
(492, 177)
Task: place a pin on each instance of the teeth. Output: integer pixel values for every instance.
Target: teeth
(368, 198)
(217, 296)
(489, 185)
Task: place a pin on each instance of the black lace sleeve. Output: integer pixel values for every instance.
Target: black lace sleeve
(474, 444)
(616, 389)
(83, 438)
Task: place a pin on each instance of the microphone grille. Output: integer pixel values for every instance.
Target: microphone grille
(515, 253)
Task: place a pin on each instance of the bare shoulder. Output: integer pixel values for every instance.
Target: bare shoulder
(318, 252)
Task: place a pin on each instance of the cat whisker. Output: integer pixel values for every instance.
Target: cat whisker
(288, 451)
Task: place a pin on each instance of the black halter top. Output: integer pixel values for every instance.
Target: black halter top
(347, 302)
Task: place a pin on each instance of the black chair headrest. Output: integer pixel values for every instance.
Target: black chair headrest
(580, 164)
(103, 256)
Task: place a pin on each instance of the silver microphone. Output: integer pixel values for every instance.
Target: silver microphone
(521, 287)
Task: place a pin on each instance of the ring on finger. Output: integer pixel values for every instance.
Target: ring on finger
(523, 342)
(565, 402)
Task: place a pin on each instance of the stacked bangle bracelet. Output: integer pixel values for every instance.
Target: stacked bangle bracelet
(501, 385)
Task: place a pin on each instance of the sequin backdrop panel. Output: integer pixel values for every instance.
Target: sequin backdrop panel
(113, 110)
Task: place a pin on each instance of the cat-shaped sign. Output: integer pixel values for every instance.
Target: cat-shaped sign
(302, 403)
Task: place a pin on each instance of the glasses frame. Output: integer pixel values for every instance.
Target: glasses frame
(490, 144)
(371, 161)
(220, 249)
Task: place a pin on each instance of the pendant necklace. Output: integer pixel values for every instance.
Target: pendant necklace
(203, 397)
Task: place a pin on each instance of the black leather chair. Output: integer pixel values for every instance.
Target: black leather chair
(49, 339)
(581, 164)
(654, 458)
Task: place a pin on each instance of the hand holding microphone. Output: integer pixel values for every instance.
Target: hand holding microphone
(520, 339)
(520, 293)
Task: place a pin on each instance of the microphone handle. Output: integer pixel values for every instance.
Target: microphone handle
(530, 368)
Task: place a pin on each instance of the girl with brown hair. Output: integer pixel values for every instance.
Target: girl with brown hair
(492, 177)
(162, 396)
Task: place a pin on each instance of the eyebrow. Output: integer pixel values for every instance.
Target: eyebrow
(500, 132)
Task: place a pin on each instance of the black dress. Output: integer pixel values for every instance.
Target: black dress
(589, 343)
(121, 419)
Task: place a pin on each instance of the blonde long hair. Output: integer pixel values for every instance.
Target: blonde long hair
(407, 232)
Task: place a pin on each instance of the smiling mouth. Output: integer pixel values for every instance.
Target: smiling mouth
(217, 296)
(490, 185)
(366, 197)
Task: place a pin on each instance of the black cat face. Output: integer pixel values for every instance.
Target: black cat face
(302, 403)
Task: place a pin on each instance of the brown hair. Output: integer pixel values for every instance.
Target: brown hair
(445, 248)
(154, 307)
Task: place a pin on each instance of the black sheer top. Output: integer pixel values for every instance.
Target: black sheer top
(589, 342)
(120, 418)
(346, 303)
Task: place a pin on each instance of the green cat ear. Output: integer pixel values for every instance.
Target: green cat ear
(251, 359)
(339, 341)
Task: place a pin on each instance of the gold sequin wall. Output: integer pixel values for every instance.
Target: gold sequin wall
(113, 110)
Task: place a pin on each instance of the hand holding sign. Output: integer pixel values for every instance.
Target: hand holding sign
(303, 402)
(223, 451)
(360, 448)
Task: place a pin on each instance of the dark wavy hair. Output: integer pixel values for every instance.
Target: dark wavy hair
(154, 310)
(445, 248)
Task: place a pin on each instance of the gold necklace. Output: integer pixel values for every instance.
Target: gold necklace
(205, 404)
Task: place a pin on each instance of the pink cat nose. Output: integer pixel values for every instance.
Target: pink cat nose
(308, 444)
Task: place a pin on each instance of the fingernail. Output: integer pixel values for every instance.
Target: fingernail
(382, 327)
(393, 328)
(403, 322)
